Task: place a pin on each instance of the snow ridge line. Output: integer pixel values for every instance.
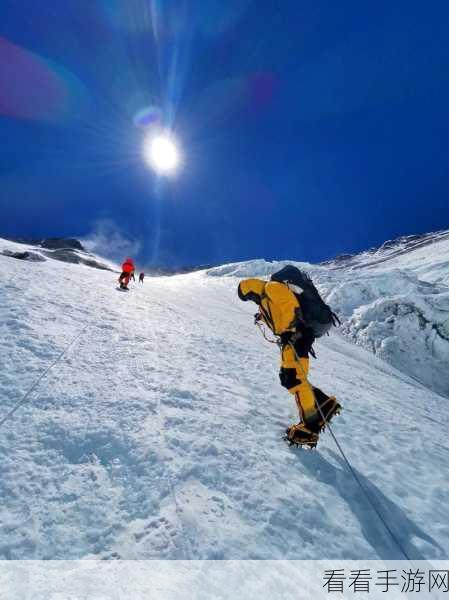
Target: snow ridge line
(184, 541)
(43, 374)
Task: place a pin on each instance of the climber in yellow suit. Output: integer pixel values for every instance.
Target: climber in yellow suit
(280, 310)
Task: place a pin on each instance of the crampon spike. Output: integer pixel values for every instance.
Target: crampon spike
(308, 445)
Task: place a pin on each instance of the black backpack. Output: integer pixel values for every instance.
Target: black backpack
(316, 314)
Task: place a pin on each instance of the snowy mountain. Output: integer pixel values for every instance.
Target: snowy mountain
(395, 249)
(154, 426)
(67, 250)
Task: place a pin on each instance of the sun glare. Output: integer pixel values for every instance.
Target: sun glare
(162, 154)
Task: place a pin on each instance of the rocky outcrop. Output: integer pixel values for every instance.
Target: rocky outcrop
(30, 256)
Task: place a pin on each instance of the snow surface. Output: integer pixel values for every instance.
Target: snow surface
(212, 580)
(158, 434)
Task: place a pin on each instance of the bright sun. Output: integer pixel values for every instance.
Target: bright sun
(161, 153)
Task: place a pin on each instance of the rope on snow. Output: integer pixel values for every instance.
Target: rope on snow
(41, 376)
(353, 472)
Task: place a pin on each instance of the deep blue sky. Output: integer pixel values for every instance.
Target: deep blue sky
(309, 128)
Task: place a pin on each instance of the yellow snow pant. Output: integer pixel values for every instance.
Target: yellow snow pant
(293, 376)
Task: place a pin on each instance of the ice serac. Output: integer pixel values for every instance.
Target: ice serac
(395, 302)
(158, 434)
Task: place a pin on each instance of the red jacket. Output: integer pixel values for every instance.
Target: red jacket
(128, 266)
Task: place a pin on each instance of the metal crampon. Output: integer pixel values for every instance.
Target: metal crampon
(299, 435)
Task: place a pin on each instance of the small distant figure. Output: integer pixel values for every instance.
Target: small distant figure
(141, 277)
(127, 271)
(131, 276)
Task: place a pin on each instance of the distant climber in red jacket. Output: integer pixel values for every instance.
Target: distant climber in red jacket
(128, 268)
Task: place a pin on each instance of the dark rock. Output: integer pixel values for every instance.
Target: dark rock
(30, 256)
(94, 264)
(64, 255)
(61, 243)
(338, 260)
(55, 243)
(68, 255)
(28, 241)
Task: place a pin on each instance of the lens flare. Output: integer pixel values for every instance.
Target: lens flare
(35, 88)
(148, 117)
(162, 154)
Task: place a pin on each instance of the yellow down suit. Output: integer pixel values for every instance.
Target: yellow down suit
(280, 309)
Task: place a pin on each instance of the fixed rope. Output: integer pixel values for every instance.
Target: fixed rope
(41, 376)
(351, 469)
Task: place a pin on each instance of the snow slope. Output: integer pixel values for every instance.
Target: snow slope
(158, 433)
